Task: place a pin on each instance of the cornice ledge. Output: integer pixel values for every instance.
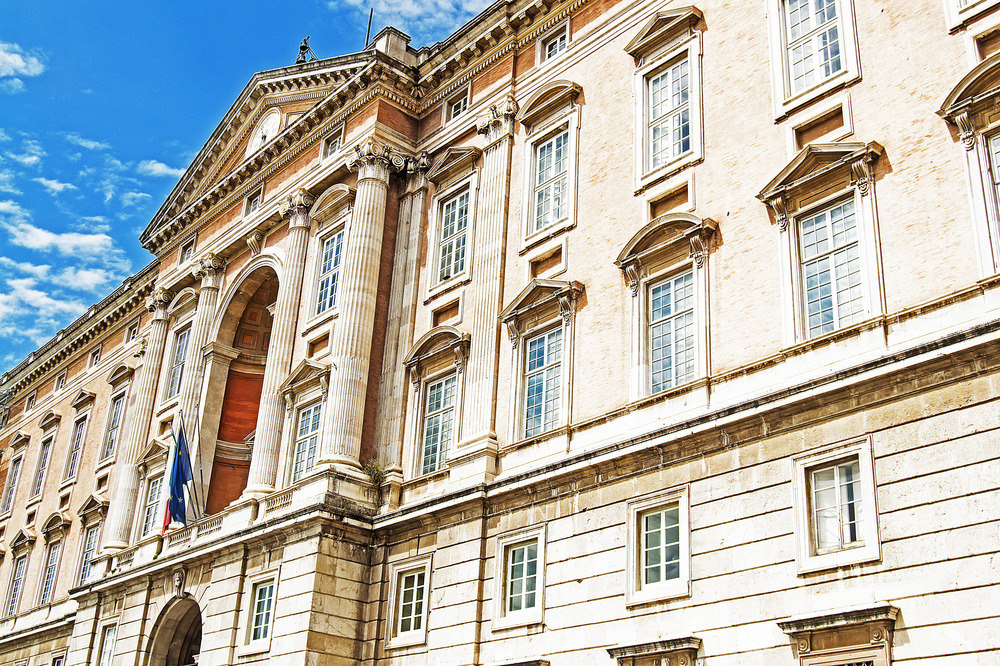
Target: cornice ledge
(877, 612)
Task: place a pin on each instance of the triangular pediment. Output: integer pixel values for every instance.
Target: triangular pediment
(155, 451)
(82, 399)
(93, 504)
(305, 372)
(663, 27)
(22, 539)
(453, 161)
(539, 292)
(293, 91)
(815, 160)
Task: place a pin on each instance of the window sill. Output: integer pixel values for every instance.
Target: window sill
(318, 320)
(396, 642)
(448, 285)
(658, 593)
(839, 559)
(168, 404)
(442, 473)
(537, 439)
(254, 649)
(817, 93)
(67, 483)
(967, 15)
(672, 168)
(34, 500)
(518, 619)
(531, 242)
(6, 514)
(102, 464)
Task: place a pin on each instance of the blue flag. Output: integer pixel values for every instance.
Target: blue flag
(180, 476)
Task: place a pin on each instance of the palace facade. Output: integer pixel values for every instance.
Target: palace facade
(600, 332)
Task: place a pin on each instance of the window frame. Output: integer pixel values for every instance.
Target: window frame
(447, 192)
(84, 566)
(397, 570)
(958, 17)
(253, 202)
(60, 381)
(644, 342)
(316, 434)
(336, 135)
(110, 427)
(503, 619)
(445, 447)
(787, 100)
(567, 121)
(340, 229)
(185, 250)
(448, 116)
(30, 400)
(77, 438)
(561, 29)
(94, 358)
(144, 506)
(42, 463)
(808, 557)
(45, 597)
(10, 484)
(112, 628)
(526, 374)
(12, 599)
(132, 330)
(637, 592)
(170, 393)
(246, 644)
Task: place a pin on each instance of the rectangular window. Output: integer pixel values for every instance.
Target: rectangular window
(60, 381)
(186, 251)
(306, 440)
(813, 42)
(75, 446)
(836, 505)
(90, 539)
(332, 145)
(521, 570)
(115, 413)
(542, 382)
(150, 509)
(457, 105)
(95, 357)
(451, 250)
(58, 661)
(177, 363)
(411, 593)
(43, 463)
(669, 114)
(16, 584)
(439, 417)
(551, 170)
(671, 332)
(329, 272)
(49, 573)
(132, 332)
(554, 44)
(11, 486)
(263, 602)
(831, 269)
(253, 202)
(29, 402)
(661, 545)
(107, 649)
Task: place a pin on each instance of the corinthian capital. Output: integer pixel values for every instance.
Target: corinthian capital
(209, 270)
(374, 159)
(159, 300)
(296, 204)
(498, 120)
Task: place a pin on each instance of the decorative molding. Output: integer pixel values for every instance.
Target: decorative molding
(670, 652)
(966, 129)
(498, 121)
(295, 207)
(540, 293)
(375, 160)
(255, 241)
(658, 236)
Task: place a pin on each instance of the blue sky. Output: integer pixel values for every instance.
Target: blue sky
(102, 106)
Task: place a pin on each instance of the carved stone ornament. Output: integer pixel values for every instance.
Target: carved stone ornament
(141, 349)
(159, 300)
(862, 174)
(498, 119)
(780, 207)
(209, 266)
(966, 130)
(632, 270)
(177, 580)
(698, 251)
(255, 241)
(415, 380)
(567, 306)
(513, 332)
(375, 160)
(296, 205)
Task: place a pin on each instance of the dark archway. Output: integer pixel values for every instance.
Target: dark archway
(176, 637)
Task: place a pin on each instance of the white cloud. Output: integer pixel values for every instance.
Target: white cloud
(11, 211)
(70, 244)
(31, 153)
(424, 20)
(54, 187)
(25, 267)
(95, 280)
(89, 144)
(15, 62)
(30, 313)
(134, 198)
(154, 168)
(7, 182)
(3, 135)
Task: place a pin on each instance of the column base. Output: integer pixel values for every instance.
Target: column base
(112, 548)
(254, 492)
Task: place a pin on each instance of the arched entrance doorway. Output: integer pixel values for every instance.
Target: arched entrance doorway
(246, 331)
(176, 637)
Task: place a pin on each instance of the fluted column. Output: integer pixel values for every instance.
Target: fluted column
(351, 345)
(123, 501)
(491, 233)
(267, 439)
(209, 270)
(399, 322)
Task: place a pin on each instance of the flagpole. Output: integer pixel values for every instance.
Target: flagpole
(194, 490)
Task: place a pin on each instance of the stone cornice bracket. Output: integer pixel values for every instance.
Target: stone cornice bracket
(966, 129)
(375, 160)
(209, 270)
(255, 241)
(632, 271)
(498, 121)
(158, 301)
(863, 173)
(295, 207)
(779, 204)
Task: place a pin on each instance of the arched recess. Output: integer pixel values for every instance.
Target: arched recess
(236, 362)
(176, 636)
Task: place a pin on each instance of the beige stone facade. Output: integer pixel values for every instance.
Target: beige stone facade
(598, 333)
